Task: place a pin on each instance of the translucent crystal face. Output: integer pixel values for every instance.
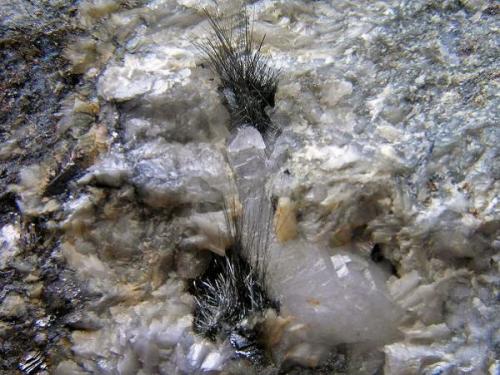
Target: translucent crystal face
(336, 296)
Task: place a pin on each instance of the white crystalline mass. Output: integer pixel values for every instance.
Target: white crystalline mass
(150, 74)
(166, 174)
(9, 237)
(114, 171)
(389, 113)
(339, 296)
(151, 337)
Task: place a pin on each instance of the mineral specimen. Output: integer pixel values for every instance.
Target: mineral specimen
(120, 144)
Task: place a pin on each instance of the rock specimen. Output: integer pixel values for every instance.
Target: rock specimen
(385, 150)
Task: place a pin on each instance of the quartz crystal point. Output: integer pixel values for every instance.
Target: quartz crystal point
(247, 155)
(338, 297)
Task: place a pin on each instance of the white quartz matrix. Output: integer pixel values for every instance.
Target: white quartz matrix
(389, 116)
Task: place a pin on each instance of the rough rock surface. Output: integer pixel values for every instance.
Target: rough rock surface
(388, 150)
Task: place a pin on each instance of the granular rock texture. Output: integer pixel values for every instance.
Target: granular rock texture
(118, 155)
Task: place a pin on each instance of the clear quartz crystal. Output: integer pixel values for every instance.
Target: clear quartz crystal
(338, 296)
(247, 156)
